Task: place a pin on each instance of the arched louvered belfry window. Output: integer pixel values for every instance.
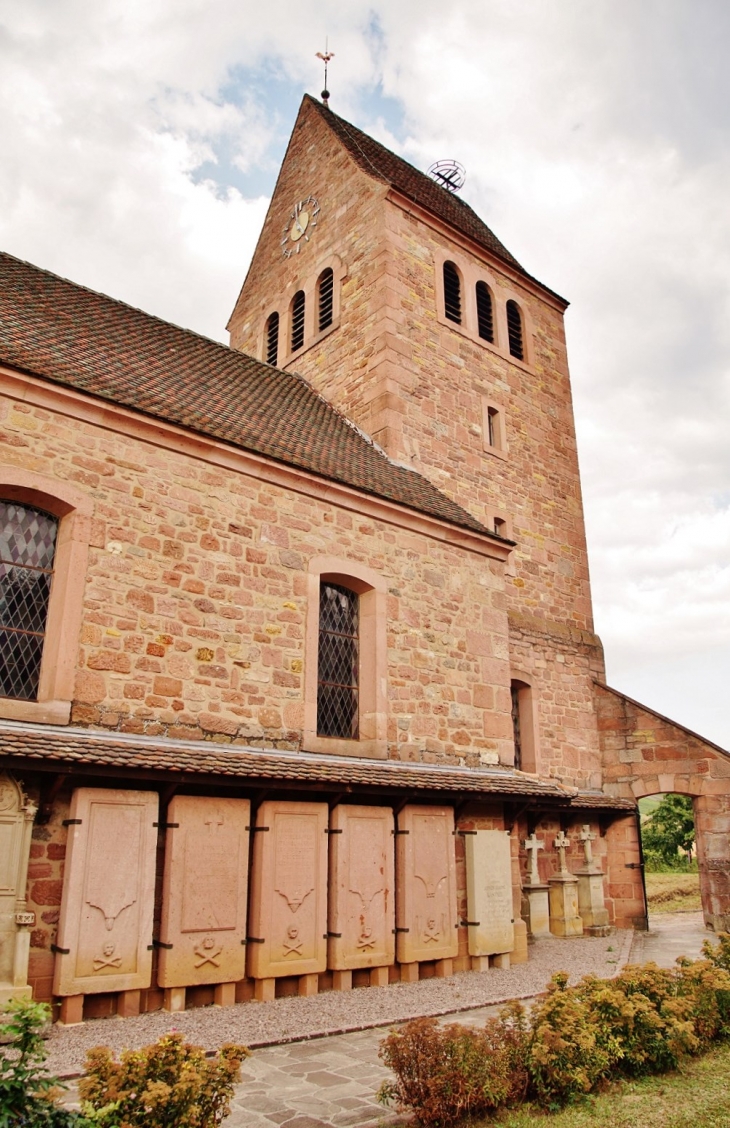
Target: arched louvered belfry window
(338, 664)
(452, 293)
(514, 330)
(325, 298)
(27, 549)
(272, 339)
(297, 321)
(485, 315)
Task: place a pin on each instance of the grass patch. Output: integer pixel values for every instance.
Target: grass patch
(696, 1096)
(673, 892)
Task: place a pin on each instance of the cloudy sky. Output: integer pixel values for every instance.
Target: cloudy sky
(140, 142)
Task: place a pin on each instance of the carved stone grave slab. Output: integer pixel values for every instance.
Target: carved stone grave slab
(108, 893)
(425, 898)
(361, 888)
(16, 825)
(204, 892)
(287, 931)
(489, 892)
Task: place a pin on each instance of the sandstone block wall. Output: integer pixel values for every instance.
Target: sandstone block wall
(195, 602)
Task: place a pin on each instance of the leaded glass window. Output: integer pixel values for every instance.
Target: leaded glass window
(27, 548)
(338, 662)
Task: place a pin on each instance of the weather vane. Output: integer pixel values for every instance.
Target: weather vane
(325, 59)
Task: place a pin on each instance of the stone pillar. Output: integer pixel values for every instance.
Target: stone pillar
(564, 917)
(591, 905)
(536, 892)
(16, 824)
(712, 834)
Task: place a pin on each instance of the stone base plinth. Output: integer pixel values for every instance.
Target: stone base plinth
(519, 952)
(564, 917)
(538, 906)
(8, 993)
(591, 905)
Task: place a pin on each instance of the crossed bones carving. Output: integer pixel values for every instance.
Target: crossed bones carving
(107, 959)
(292, 943)
(206, 952)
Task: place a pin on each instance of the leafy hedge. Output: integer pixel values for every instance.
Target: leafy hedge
(167, 1085)
(644, 1021)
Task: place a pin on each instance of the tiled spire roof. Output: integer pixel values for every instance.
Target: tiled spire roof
(65, 333)
(379, 162)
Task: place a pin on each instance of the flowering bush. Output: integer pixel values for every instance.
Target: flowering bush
(27, 1093)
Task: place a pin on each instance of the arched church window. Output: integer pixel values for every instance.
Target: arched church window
(325, 298)
(338, 665)
(27, 549)
(272, 339)
(514, 330)
(297, 321)
(485, 316)
(452, 293)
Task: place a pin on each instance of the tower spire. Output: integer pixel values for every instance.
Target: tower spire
(325, 59)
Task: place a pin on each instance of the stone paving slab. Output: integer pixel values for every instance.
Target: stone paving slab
(671, 935)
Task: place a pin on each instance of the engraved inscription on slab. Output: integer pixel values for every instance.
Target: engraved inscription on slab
(204, 891)
(426, 884)
(489, 892)
(361, 884)
(288, 924)
(108, 893)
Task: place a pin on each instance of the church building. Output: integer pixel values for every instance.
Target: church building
(299, 686)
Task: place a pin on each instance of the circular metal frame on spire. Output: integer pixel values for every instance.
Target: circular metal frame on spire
(449, 174)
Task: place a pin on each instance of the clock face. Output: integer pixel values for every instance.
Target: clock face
(300, 225)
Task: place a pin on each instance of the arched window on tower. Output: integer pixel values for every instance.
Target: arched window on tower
(452, 293)
(272, 339)
(325, 298)
(514, 330)
(27, 549)
(338, 665)
(297, 321)
(485, 316)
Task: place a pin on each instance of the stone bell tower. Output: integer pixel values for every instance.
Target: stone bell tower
(390, 295)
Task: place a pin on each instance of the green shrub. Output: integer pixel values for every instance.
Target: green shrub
(567, 1053)
(658, 1029)
(705, 988)
(27, 1093)
(168, 1085)
(446, 1073)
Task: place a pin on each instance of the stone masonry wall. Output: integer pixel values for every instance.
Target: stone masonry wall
(416, 383)
(194, 611)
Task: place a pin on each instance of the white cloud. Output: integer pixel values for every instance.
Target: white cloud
(596, 143)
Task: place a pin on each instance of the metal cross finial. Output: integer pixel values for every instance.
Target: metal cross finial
(325, 59)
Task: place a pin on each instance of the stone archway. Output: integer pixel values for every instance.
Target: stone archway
(645, 753)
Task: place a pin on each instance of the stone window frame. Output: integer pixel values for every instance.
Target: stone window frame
(499, 447)
(527, 704)
(372, 742)
(470, 273)
(312, 334)
(74, 511)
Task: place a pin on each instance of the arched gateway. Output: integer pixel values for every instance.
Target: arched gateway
(645, 753)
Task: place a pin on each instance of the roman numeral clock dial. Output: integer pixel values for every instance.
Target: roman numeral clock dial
(300, 225)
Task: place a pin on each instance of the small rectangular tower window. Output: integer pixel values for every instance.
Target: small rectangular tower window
(493, 428)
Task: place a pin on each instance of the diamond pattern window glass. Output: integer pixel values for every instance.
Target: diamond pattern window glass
(27, 548)
(338, 662)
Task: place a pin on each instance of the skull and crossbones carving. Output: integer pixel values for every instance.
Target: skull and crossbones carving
(207, 952)
(367, 940)
(432, 933)
(107, 958)
(292, 943)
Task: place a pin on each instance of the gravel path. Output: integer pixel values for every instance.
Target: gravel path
(334, 1012)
